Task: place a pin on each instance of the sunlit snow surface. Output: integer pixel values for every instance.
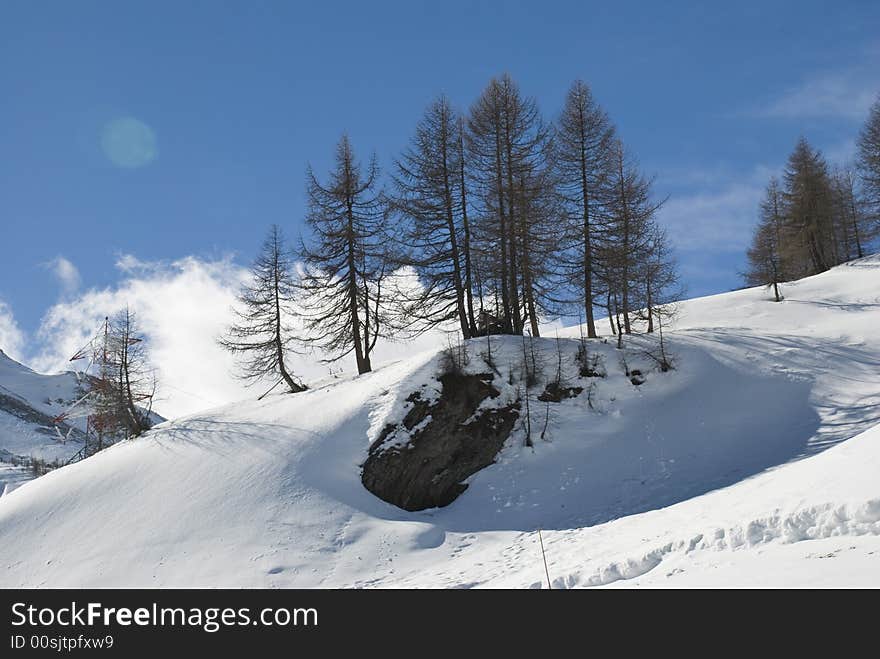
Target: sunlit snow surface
(755, 463)
(28, 403)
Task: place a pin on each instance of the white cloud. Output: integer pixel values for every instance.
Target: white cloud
(129, 263)
(720, 220)
(841, 153)
(182, 307)
(846, 95)
(11, 337)
(722, 215)
(66, 274)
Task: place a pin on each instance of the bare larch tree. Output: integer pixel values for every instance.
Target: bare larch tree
(346, 260)
(584, 135)
(765, 264)
(868, 160)
(658, 275)
(431, 204)
(631, 216)
(136, 380)
(809, 244)
(855, 228)
(261, 335)
(508, 146)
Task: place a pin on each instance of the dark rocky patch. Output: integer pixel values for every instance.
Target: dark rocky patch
(556, 393)
(637, 377)
(428, 470)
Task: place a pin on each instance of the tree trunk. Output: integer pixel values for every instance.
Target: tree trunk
(367, 366)
(528, 282)
(505, 294)
(588, 251)
(619, 330)
(624, 283)
(610, 315)
(370, 344)
(855, 225)
(512, 239)
(279, 345)
(468, 279)
(362, 365)
(453, 240)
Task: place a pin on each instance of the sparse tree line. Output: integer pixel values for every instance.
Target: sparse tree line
(505, 218)
(817, 217)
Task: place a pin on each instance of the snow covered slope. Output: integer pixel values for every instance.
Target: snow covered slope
(29, 401)
(755, 462)
(29, 404)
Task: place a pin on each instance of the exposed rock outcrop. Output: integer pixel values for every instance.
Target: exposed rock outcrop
(444, 442)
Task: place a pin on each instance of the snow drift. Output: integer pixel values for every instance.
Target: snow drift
(755, 460)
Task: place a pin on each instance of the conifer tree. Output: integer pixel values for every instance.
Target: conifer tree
(346, 260)
(508, 147)
(431, 200)
(631, 216)
(868, 160)
(808, 244)
(855, 228)
(136, 380)
(261, 335)
(764, 255)
(584, 136)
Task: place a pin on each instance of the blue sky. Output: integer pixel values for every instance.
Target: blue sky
(232, 100)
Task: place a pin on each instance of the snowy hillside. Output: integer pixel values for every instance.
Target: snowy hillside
(29, 402)
(756, 462)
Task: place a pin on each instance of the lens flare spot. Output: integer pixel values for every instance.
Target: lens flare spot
(129, 142)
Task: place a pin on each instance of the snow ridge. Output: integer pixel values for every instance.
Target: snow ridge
(811, 523)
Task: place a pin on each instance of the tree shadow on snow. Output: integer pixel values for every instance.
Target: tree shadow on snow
(225, 438)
